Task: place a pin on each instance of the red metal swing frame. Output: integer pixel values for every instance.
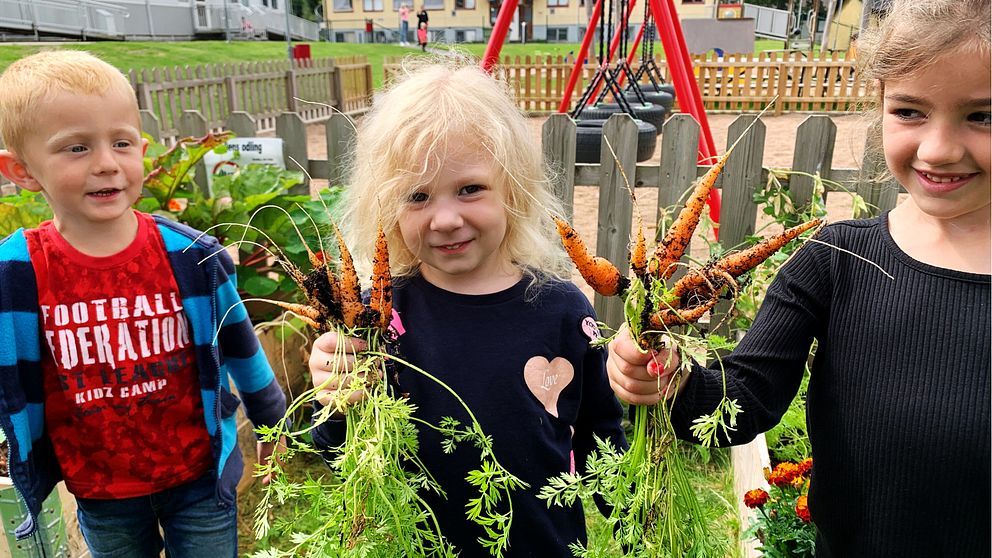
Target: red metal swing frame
(676, 55)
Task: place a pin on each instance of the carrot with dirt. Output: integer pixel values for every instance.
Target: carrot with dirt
(598, 272)
(711, 277)
(351, 293)
(381, 296)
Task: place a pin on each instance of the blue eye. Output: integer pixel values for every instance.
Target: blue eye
(417, 197)
(471, 189)
(77, 149)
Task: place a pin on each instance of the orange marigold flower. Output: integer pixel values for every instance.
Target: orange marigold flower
(805, 465)
(174, 205)
(755, 498)
(802, 508)
(783, 474)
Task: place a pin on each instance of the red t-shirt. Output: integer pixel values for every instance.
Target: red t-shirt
(122, 396)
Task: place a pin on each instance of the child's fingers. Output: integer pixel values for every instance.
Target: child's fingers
(624, 347)
(328, 343)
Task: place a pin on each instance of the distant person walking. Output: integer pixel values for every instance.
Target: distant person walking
(404, 23)
(422, 18)
(422, 36)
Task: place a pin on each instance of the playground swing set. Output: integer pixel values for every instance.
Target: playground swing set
(660, 15)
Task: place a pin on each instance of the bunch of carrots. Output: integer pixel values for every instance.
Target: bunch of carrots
(371, 505)
(654, 509)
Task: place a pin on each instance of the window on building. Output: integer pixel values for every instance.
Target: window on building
(275, 5)
(464, 4)
(557, 3)
(265, 3)
(343, 6)
(372, 5)
(557, 34)
(434, 4)
(692, 1)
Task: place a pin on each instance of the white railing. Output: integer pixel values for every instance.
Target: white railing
(768, 22)
(85, 17)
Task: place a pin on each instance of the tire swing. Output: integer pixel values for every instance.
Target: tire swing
(589, 140)
(590, 120)
(648, 112)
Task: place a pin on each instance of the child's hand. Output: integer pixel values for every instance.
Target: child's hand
(331, 366)
(266, 449)
(639, 377)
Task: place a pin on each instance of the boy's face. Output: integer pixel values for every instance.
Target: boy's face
(85, 154)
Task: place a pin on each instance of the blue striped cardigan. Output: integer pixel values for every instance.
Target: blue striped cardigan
(208, 290)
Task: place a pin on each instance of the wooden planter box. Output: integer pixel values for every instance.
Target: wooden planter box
(288, 356)
(749, 462)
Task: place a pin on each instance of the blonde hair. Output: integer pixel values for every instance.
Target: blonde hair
(32, 79)
(912, 36)
(400, 148)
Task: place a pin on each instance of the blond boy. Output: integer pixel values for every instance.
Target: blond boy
(109, 376)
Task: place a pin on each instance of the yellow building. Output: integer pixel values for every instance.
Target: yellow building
(460, 21)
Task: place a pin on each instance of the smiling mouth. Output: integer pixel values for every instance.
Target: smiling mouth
(106, 192)
(943, 179)
(454, 246)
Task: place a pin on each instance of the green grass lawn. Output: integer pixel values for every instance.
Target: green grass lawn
(137, 55)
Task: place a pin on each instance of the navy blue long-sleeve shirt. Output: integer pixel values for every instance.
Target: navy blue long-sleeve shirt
(898, 405)
(480, 346)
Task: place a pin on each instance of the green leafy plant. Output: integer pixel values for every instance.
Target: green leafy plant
(22, 209)
(370, 503)
(783, 524)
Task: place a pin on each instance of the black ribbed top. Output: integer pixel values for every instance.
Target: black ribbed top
(898, 406)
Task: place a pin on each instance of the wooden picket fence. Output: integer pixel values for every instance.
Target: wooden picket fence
(264, 90)
(793, 81)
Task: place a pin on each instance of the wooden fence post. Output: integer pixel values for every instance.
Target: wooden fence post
(340, 131)
(615, 205)
(814, 154)
(558, 146)
(192, 123)
(231, 93)
(880, 196)
(293, 131)
(242, 124)
(292, 91)
(337, 86)
(679, 149)
(150, 124)
(740, 177)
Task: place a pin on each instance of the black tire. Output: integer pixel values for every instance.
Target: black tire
(663, 87)
(589, 140)
(655, 97)
(652, 114)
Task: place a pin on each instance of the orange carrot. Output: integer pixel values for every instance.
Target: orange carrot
(669, 251)
(599, 273)
(310, 315)
(639, 253)
(737, 263)
(381, 301)
(678, 316)
(351, 294)
(745, 260)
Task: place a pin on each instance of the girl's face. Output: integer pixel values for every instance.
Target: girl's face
(936, 136)
(455, 226)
